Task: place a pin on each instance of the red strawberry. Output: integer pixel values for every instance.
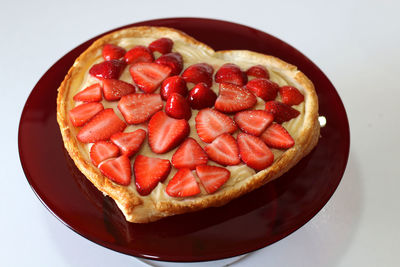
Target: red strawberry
(183, 184)
(263, 88)
(291, 95)
(172, 60)
(111, 51)
(129, 143)
(189, 155)
(139, 54)
(201, 96)
(149, 76)
(223, 150)
(103, 150)
(166, 133)
(173, 84)
(148, 172)
(253, 121)
(162, 45)
(110, 69)
(81, 114)
(138, 108)
(281, 112)
(197, 73)
(177, 107)
(91, 93)
(211, 123)
(258, 71)
(212, 177)
(118, 170)
(277, 137)
(115, 89)
(254, 152)
(101, 127)
(233, 98)
(230, 73)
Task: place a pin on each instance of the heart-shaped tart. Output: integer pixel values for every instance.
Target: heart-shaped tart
(165, 125)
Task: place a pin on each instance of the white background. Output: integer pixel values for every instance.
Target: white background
(355, 43)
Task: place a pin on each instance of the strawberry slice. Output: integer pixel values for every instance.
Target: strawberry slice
(149, 76)
(223, 150)
(103, 150)
(233, 98)
(172, 60)
(91, 93)
(212, 177)
(201, 96)
(118, 170)
(276, 136)
(291, 95)
(173, 84)
(129, 143)
(258, 71)
(166, 133)
(101, 127)
(110, 69)
(148, 172)
(111, 51)
(115, 89)
(138, 108)
(263, 88)
(230, 73)
(183, 184)
(138, 54)
(211, 123)
(254, 152)
(281, 111)
(177, 107)
(197, 73)
(162, 45)
(81, 114)
(253, 121)
(189, 155)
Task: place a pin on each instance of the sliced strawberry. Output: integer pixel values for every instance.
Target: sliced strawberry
(223, 150)
(201, 96)
(173, 84)
(212, 177)
(254, 152)
(166, 133)
(211, 123)
(138, 108)
(172, 60)
(110, 69)
(281, 112)
(115, 89)
(233, 98)
(189, 155)
(291, 95)
(177, 107)
(162, 45)
(101, 127)
(118, 170)
(129, 143)
(230, 73)
(263, 88)
(253, 121)
(91, 93)
(149, 76)
(258, 71)
(111, 51)
(138, 54)
(81, 114)
(276, 136)
(183, 184)
(197, 73)
(103, 150)
(148, 172)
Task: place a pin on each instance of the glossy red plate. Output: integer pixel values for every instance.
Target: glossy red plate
(246, 224)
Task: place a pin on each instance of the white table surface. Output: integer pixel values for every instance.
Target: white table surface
(355, 43)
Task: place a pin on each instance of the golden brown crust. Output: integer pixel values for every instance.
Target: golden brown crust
(131, 204)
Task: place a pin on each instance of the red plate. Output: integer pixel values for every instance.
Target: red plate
(253, 221)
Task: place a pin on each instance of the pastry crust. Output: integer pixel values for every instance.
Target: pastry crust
(140, 209)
